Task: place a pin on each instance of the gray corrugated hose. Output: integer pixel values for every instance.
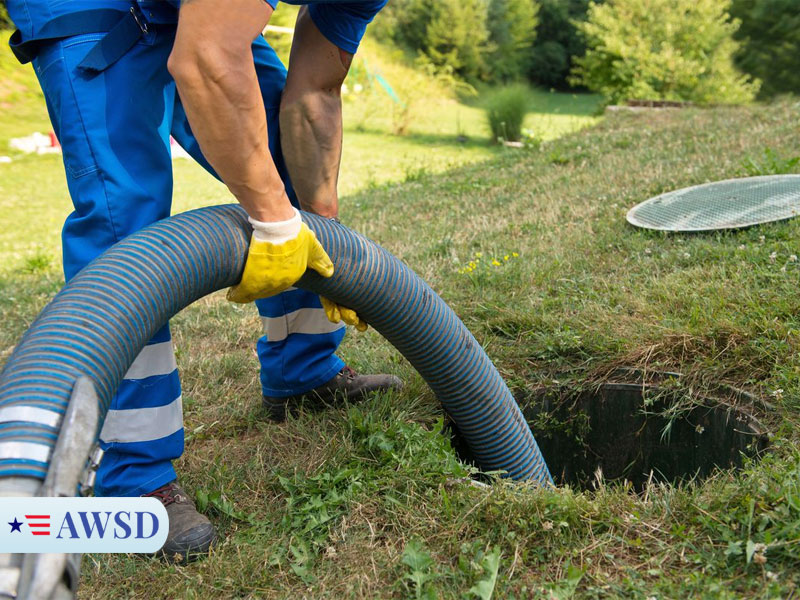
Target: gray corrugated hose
(101, 320)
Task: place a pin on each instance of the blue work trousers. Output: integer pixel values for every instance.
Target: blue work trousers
(114, 128)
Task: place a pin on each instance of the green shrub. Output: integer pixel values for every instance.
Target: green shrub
(770, 36)
(663, 50)
(505, 111)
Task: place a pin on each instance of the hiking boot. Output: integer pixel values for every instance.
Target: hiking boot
(190, 533)
(346, 386)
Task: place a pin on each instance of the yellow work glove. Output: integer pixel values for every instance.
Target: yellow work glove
(279, 254)
(338, 313)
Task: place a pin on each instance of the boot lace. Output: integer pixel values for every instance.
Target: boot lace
(348, 372)
(167, 494)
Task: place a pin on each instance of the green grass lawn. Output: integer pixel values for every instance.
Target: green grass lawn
(366, 501)
(442, 133)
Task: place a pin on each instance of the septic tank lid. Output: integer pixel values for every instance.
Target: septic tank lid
(728, 204)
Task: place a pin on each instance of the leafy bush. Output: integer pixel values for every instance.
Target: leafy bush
(383, 91)
(663, 50)
(771, 163)
(770, 36)
(505, 111)
(557, 42)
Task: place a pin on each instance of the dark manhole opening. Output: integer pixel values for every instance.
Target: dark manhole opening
(637, 432)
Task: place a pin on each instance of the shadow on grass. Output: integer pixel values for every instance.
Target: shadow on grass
(427, 139)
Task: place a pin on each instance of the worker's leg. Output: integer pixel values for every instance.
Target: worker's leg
(114, 131)
(297, 350)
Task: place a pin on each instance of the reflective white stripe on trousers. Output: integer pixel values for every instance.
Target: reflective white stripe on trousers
(146, 424)
(303, 320)
(156, 359)
(143, 424)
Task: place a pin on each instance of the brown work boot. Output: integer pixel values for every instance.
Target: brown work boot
(190, 533)
(347, 386)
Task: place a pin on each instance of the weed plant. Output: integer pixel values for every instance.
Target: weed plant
(769, 163)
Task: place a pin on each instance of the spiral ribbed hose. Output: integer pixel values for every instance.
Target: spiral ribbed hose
(101, 320)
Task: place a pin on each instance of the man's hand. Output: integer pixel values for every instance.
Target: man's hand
(279, 255)
(336, 313)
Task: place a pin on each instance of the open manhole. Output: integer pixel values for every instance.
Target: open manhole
(637, 432)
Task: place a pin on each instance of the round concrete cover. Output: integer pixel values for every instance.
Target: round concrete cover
(725, 204)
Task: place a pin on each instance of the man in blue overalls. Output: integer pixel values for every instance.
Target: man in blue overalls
(102, 65)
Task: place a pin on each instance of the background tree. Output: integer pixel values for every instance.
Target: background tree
(448, 34)
(663, 50)
(770, 37)
(478, 40)
(512, 32)
(457, 36)
(558, 40)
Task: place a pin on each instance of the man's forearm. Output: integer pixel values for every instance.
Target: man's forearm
(311, 116)
(213, 68)
(311, 138)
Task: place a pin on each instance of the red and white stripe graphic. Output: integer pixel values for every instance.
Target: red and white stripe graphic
(40, 524)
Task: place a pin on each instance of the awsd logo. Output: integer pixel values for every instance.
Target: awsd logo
(65, 525)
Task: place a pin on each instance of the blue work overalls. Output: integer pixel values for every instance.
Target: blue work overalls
(114, 121)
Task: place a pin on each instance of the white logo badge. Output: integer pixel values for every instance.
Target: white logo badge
(66, 525)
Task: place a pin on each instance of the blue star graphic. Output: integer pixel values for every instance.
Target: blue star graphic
(15, 525)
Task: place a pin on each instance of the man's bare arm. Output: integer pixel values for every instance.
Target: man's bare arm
(212, 64)
(311, 117)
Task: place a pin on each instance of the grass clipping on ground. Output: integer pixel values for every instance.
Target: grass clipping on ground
(368, 501)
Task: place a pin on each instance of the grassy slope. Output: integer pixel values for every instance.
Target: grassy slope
(360, 502)
(586, 292)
